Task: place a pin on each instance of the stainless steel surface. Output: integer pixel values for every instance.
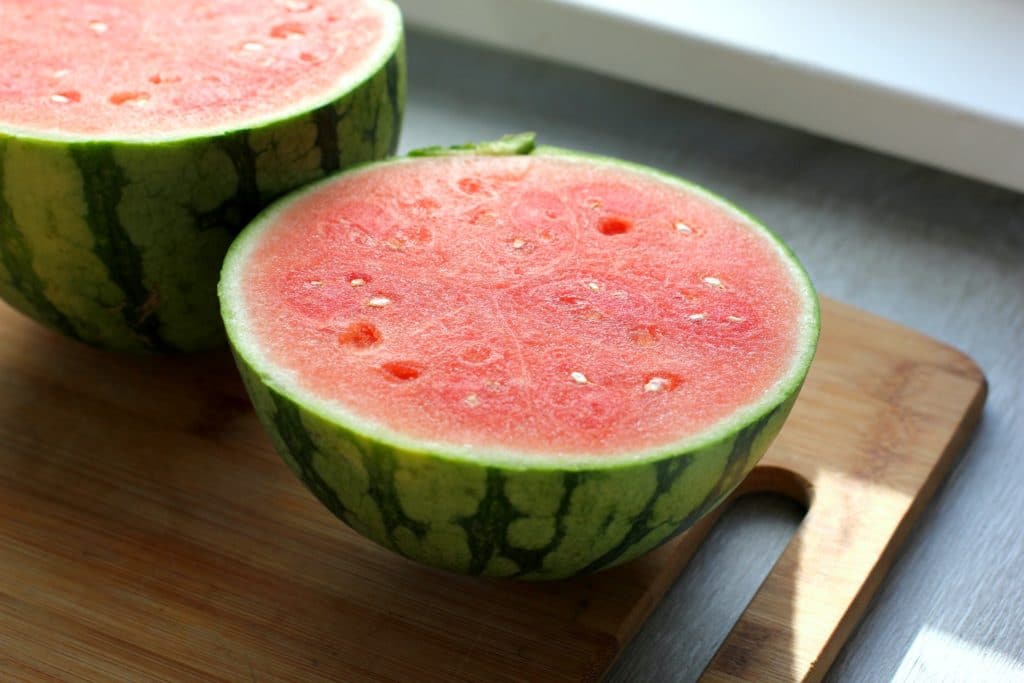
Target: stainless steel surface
(939, 253)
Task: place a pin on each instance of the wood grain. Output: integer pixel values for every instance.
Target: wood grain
(148, 532)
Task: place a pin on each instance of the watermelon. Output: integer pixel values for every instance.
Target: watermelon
(138, 137)
(513, 361)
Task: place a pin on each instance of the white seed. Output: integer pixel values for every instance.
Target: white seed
(297, 6)
(518, 243)
(593, 286)
(59, 98)
(656, 384)
(735, 319)
(378, 301)
(357, 282)
(697, 316)
(683, 228)
(578, 377)
(61, 73)
(314, 283)
(714, 282)
(252, 47)
(472, 400)
(98, 26)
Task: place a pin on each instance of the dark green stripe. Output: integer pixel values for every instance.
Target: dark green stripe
(102, 185)
(394, 71)
(326, 119)
(380, 466)
(17, 259)
(668, 471)
(487, 530)
(235, 213)
(244, 159)
(296, 439)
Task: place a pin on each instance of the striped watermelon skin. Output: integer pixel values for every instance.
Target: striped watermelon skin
(120, 244)
(499, 521)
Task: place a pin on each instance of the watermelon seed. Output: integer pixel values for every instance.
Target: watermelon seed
(61, 73)
(614, 226)
(403, 370)
(378, 301)
(360, 335)
(656, 384)
(697, 316)
(136, 99)
(578, 377)
(661, 382)
(314, 283)
(67, 96)
(98, 26)
(593, 286)
(357, 282)
(683, 228)
(472, 400)
(298, 6)
(714, 282)
(735, 319)
(252, 47)
(518, 243)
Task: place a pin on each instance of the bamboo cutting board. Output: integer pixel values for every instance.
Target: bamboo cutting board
(148, 532)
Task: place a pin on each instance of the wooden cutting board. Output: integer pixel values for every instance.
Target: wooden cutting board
(148, 532)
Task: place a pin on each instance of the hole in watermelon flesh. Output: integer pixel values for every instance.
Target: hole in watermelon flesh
(402, 370)
(67, 96)
(289, 29)
(476, 355)
(360, 335)
(614, 226)
(135, 98)
(645, 335)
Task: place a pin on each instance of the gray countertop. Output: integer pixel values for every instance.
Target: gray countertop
(936, 252)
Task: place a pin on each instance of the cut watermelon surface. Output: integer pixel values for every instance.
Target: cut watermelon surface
(572, 340)
(137, 138)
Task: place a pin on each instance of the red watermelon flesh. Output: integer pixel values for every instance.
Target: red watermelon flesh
(534, 304)
(138, 68)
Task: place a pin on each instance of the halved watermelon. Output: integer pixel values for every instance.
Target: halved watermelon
(137, 137)
(517, 362)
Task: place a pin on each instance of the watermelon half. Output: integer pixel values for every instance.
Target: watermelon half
(517, 362)
(138, 137)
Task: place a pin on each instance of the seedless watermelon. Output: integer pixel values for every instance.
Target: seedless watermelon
(137, 137)
(517, 362)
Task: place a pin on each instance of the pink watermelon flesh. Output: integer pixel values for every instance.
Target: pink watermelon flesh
(145, 67)
(533, 304)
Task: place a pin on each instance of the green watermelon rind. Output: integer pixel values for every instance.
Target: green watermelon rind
(119, 242)
(499, 513)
